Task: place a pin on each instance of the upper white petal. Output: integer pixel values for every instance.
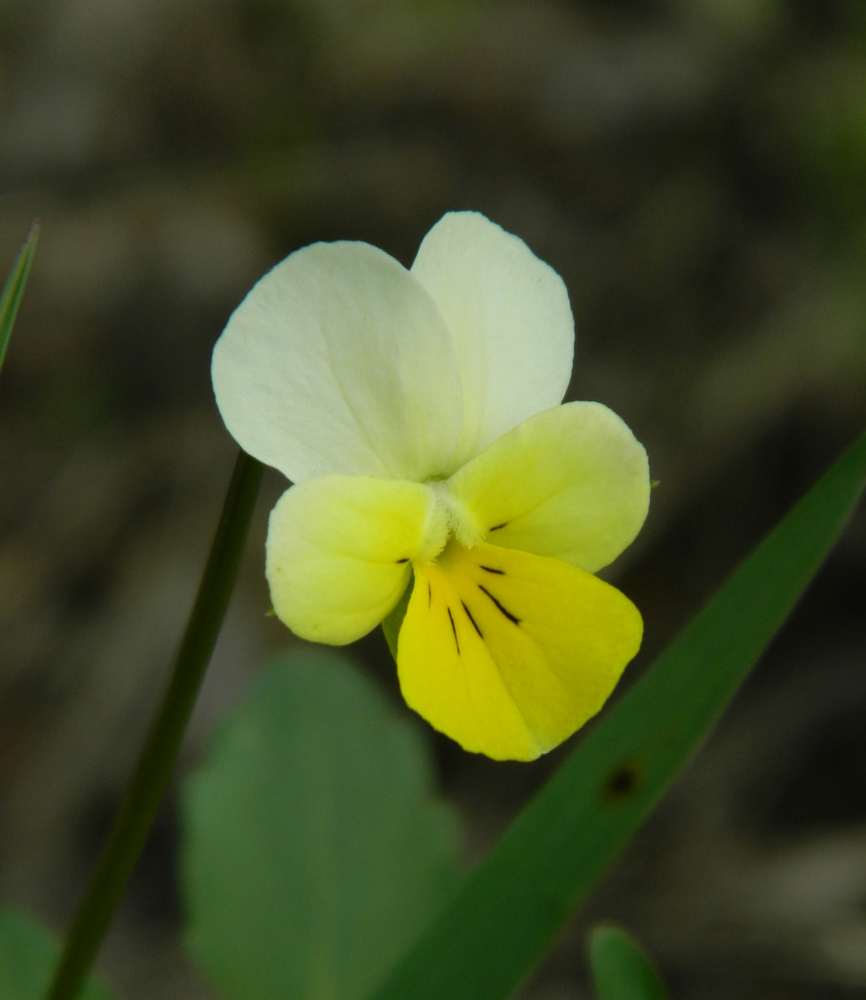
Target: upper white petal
(511, 321)
(339, 360)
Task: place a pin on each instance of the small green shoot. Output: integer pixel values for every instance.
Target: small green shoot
(621, 969)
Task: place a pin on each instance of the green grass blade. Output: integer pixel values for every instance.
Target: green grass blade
(621, 969)
(511, 907)
(28, 953)
(14, 289)
(153, 771)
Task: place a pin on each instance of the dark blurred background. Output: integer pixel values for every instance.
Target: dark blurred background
(696, 172)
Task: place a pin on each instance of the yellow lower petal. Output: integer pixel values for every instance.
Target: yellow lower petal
(509, 653)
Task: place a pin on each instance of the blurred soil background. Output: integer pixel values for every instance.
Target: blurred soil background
(696, 172)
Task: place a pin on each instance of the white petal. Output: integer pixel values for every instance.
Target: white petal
(511, 321)
(338, 360)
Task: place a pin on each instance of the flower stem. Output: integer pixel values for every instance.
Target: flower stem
(155, 765)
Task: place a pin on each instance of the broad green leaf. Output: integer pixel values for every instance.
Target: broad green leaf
(14, 289)
(621, 969)
(314, 849)
(28, 954)
(511, 907)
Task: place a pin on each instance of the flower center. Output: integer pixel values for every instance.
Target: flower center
(447, 518)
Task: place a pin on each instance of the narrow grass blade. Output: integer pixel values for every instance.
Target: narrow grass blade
(511, 907)
(28, 954)
(155, 765)
(621, 969)
(14, 289)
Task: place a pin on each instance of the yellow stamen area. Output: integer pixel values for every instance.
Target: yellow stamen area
(509, 653)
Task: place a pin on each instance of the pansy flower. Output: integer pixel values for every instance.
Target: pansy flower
(417, 413)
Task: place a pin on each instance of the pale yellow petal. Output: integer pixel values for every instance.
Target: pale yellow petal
(571, 483)
(509, 653)
(339, 549)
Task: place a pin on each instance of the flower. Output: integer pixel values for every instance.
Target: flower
(417, 413)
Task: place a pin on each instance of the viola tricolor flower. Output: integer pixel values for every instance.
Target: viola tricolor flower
(417, 414)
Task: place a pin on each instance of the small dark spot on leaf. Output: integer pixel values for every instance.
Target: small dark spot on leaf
(402, 561)
(496, 527)
(490, 569)
(623, 781)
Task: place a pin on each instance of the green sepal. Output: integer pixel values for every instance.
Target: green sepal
(392, 623)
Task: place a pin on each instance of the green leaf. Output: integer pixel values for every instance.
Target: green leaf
(621, 969)
(511, 907)
(314, 850)
(14, 289)
(393, 622)
(28, 954)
